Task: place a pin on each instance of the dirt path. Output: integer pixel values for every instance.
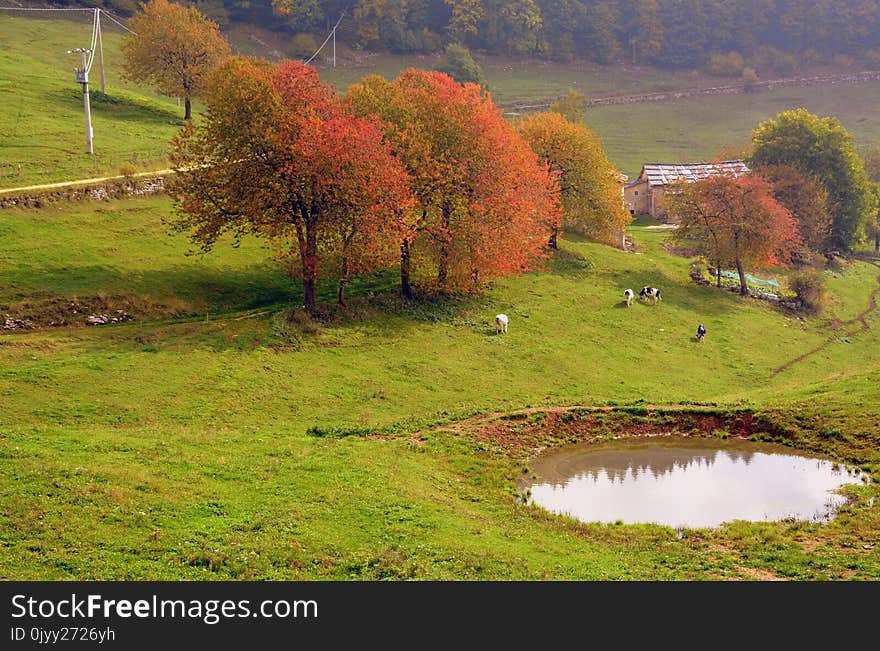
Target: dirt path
(77, 183)
(861, 319)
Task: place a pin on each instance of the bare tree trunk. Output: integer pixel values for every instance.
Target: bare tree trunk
(443, 263)
(341, 294)
(443, 267)
(718, 274)
(309, 302)
(405, 287)
(340, 297)
(877, 243)
(310, 271)
(743, 284)
(187, 103)
(553, 236)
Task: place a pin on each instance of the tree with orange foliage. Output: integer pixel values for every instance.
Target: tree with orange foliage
(734, 220)
(485, 204)
(173, 48)
(591, 185)
(807, 199)
(278, 156)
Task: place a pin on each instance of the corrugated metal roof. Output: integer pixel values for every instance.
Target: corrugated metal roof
(658, 174)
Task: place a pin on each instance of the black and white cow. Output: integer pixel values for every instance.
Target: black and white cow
(650, 292)
(628, 296)
(701, 332)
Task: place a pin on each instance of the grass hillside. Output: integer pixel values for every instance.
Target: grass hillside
(187, 443)
(42, 126)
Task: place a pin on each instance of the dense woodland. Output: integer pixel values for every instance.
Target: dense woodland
(769, 34)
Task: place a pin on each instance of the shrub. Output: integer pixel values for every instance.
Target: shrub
(749, 77)
(725, 65)
(460, 65)
(127, 170)
(811, 288)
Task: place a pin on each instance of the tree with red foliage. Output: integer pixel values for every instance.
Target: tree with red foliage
(278, 156)
(486, 205)
(734, 220)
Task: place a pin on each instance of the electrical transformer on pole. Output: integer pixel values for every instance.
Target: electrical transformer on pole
(82, 77)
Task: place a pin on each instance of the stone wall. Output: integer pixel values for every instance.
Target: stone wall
(114, 189)
(730, 89)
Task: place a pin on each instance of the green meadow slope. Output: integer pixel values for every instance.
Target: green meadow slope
(42, 128)
(178, 445)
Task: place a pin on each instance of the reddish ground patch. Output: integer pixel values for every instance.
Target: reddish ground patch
(533, 429)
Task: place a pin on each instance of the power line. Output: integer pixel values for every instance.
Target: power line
(110, 16)
(103, 11)
(43, 9)
(331, 34)
(94, 41)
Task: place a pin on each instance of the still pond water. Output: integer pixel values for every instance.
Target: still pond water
(686, 482)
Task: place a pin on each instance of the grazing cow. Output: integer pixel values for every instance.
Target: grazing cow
(701, 332)
(501, 321)
(650, 292)
(628, 296)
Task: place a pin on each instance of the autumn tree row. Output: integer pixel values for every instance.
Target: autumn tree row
(422, 172)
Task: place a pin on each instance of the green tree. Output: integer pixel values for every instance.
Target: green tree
(466, 15)
(173, 48)
(871, 156)
(822, 147)
(573, 107)
(647, 42)
(460, 65)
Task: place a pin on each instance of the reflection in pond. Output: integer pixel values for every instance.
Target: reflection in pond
(686, 482)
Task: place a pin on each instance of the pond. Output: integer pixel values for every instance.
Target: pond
(686, 482)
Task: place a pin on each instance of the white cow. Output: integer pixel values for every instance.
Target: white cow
(501, 321)
(629, 295)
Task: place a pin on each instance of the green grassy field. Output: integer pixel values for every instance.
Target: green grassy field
(692, 130)
(179, 448)
(42, 128)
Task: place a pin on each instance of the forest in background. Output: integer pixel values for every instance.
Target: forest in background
(776, 34)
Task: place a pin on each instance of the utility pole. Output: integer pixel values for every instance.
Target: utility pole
(82, 77)
(100, 48)
(334, 46)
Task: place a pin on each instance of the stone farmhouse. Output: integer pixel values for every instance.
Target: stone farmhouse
(644, 195)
